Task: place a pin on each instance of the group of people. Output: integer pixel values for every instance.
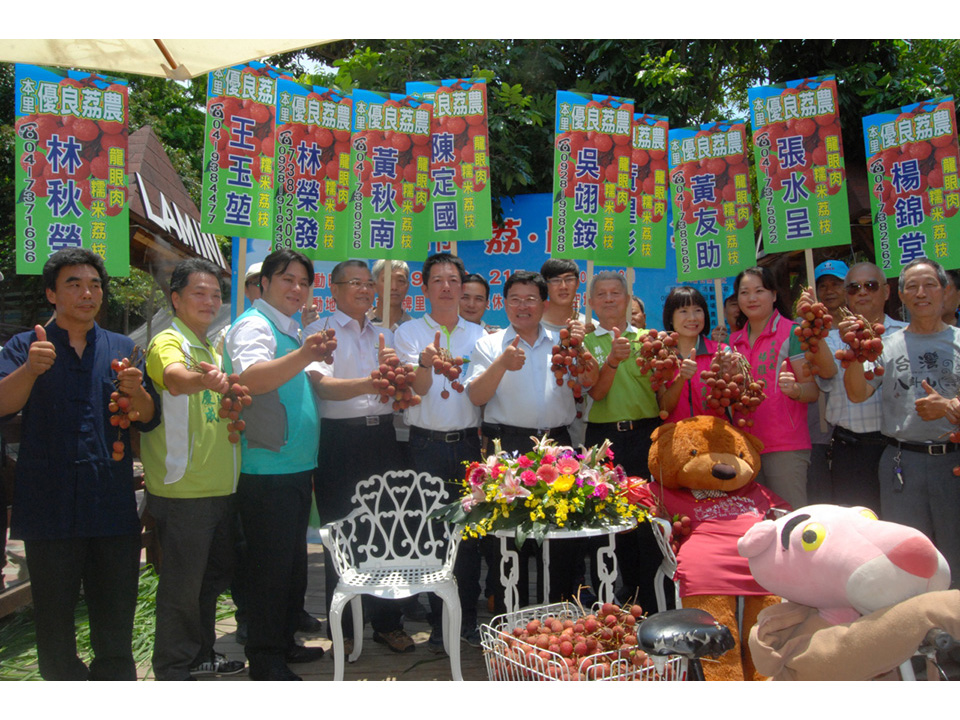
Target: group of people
(236, 515)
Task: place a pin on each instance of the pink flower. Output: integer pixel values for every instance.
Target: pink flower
(528, 478)
(600, 491)
(469, 501)
(547, 473)
(477, 475)
(510, 490)
(547, 459)
(567, 466)
(610, 453)
(524, 462)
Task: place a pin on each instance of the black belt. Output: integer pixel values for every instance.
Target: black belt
(928, 448)
(366, 421)
(493, 430)
(446, 436)
(623, 425)
(867, 438)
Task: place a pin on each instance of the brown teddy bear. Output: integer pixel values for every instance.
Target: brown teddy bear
(703, 468)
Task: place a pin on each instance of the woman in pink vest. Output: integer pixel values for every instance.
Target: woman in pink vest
(767, 341)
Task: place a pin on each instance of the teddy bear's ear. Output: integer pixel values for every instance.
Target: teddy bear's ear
(663, 434)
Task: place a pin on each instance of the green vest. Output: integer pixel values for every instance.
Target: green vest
(630, 396)
(282, 434)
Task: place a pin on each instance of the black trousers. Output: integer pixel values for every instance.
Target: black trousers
(108, 568)
(855, 468)
(275, 512)
(349, 453)
(638, 555)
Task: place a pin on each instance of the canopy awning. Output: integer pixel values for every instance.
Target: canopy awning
(176, 59)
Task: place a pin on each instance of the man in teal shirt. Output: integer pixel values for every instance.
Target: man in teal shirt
(279, 454)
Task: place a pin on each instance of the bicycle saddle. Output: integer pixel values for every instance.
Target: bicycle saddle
(689, 632)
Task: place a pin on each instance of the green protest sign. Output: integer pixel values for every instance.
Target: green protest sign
(912, 168)
(800, 169)
(71, 169)
(649, 178)
(712, 203)
(592, 178)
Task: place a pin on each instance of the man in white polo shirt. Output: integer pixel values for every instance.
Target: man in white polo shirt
(444, 427)
(352, 416)
(510, 375)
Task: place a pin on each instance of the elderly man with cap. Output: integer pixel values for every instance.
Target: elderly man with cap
(828, 277)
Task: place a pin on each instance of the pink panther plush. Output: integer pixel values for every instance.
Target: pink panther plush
(860, 593)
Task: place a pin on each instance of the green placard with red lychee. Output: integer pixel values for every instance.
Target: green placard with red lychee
(238, 149)
(71, 174)
(912, 168)
(390, 187)
(460, 157)
(312, 164)
(592, 178)
(711, 200)
(801, 178)
(649, 192)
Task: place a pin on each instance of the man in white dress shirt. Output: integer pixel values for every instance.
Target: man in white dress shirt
(356, 430)
(510, 375)
(444, 427)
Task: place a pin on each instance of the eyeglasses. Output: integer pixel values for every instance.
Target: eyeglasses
(365, 284)
(515, 302)
(563, 280)
(870, 285)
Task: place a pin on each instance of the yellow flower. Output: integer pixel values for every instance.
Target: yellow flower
(564, 483)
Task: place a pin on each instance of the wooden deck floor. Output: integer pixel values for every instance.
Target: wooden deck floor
(376, 662)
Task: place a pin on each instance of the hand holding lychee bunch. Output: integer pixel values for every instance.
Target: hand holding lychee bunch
(569, 359)
(863, 341)
(731, 385)
(120, 406)
(393, 381)
(815, 323)
(658, 353)
(321, 345)
(232, 404)
(449, 367)
(682, 527)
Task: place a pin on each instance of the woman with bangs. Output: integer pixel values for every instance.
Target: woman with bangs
(685, 312)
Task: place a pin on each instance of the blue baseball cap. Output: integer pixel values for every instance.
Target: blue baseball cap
(837, 268)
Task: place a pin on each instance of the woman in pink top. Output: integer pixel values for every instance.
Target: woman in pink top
(685, 312)
(767, 341)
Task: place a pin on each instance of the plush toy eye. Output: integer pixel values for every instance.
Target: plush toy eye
(741, 455)
(812, 536)
(869, 514)
(693, 453)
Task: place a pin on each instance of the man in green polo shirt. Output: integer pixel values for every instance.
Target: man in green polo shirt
(191, 471)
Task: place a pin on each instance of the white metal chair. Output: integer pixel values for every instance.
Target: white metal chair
(389, 547)
(663, 531)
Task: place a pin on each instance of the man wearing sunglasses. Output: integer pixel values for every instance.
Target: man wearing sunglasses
(857, 442)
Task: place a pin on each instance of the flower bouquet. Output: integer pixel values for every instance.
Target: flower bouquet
(552, 486)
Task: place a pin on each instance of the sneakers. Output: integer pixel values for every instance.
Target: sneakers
(397, 640)
(218, 665)
(471, 636)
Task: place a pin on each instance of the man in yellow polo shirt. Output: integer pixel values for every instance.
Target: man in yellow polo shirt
(191, 471)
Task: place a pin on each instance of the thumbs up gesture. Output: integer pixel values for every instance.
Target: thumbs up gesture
(430, 352)
(41, 355)
(513, 356)
(384, 353)
(689, 365)
(788, 381)
(619, 349)
(932, 406)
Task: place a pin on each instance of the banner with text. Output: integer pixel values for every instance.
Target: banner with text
(712, 203)
(914, 190)
(800, 169)
(71, 174)
(312, 171)
(460, 157)
(592, 178)
(238, 151)
(649, 188)
(390, 188)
